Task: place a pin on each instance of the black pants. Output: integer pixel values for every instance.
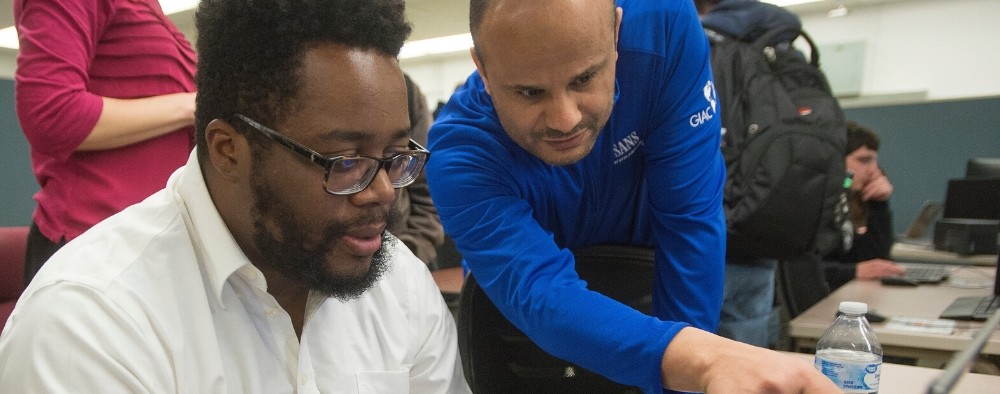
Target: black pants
(38, 252)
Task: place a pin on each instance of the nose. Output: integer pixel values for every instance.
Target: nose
(562, 113)
(379, 191)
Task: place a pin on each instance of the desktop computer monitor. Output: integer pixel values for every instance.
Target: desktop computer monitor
(973, 198)
(983, 167)
(971, 222)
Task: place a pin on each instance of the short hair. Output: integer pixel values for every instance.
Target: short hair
(250, 52)
(858, 136)
(477, 11)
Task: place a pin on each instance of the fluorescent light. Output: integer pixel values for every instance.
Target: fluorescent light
(436, 46)
(8, 35)
(175, 6)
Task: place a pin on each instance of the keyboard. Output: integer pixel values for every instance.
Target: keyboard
(926, 274)
(972, 308)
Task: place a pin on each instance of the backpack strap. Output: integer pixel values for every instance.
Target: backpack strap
(771, 36)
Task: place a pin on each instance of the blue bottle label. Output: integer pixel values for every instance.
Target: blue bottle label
(851, 377)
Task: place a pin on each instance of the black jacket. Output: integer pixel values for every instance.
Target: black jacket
(875, 243)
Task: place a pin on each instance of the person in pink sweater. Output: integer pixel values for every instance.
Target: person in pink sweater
(105, 96)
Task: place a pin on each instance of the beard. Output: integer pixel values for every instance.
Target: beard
(293, 255)
(586, 126)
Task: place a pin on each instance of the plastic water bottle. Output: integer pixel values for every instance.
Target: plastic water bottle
(848, 352)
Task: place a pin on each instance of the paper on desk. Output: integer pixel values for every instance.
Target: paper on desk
(917, 324)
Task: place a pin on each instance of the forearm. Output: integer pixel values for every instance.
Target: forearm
(128, 121)
(699, 361)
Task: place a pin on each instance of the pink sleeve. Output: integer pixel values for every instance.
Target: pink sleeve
(57, 44)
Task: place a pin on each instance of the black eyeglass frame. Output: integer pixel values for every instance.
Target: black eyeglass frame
(415, 150)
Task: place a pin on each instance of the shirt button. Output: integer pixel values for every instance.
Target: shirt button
(303, 379)
(271, 312)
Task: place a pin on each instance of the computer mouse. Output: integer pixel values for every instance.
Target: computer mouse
(899, 281)
(872, 317)
(875, 317)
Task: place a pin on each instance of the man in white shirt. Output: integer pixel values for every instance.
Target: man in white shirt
(264, 265)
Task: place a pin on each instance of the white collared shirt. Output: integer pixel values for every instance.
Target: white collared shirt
(160, 299)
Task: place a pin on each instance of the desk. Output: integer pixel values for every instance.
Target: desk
(449, 280)
(924, 301)
(906, 379)
(927, 254)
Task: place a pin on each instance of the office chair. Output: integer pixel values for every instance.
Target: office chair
(802, 284)
(499, 358)
(13, 242)
(448, 272)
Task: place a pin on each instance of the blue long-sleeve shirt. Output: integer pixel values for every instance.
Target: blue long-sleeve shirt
(654, 178)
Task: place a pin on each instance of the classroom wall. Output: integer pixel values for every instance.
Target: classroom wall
(17, 184)
(945, 49)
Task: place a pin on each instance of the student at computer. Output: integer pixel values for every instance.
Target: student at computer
(868, 256)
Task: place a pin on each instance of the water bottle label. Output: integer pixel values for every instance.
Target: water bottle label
(851, 377)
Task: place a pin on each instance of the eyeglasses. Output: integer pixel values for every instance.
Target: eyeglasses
(347, 175)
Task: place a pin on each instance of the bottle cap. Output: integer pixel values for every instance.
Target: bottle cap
(854, 308)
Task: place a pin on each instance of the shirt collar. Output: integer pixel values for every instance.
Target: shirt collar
(219, 254)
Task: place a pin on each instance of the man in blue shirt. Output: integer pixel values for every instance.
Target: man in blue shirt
(588, 124)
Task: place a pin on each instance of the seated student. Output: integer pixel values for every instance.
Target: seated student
(868, 257)
(257, 270)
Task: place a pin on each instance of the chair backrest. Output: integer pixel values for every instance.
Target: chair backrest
(499, 358)
(13, 242)
(802, 284)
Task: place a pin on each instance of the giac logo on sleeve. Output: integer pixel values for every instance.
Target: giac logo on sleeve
(709, 112)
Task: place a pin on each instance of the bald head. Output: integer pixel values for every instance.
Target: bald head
(537, 17)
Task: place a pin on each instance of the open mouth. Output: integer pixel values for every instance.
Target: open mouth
(365, 241)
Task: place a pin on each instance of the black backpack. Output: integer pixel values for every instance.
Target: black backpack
(784, 144)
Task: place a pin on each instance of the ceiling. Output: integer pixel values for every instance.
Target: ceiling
(430, 18)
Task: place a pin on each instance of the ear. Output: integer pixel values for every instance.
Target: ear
(618, 25)
(482, 70)
(225, 148)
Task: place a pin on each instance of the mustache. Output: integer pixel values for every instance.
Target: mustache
(389, 217)
(549, 133)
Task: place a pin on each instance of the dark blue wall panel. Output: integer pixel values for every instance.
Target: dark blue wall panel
(17, 184)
